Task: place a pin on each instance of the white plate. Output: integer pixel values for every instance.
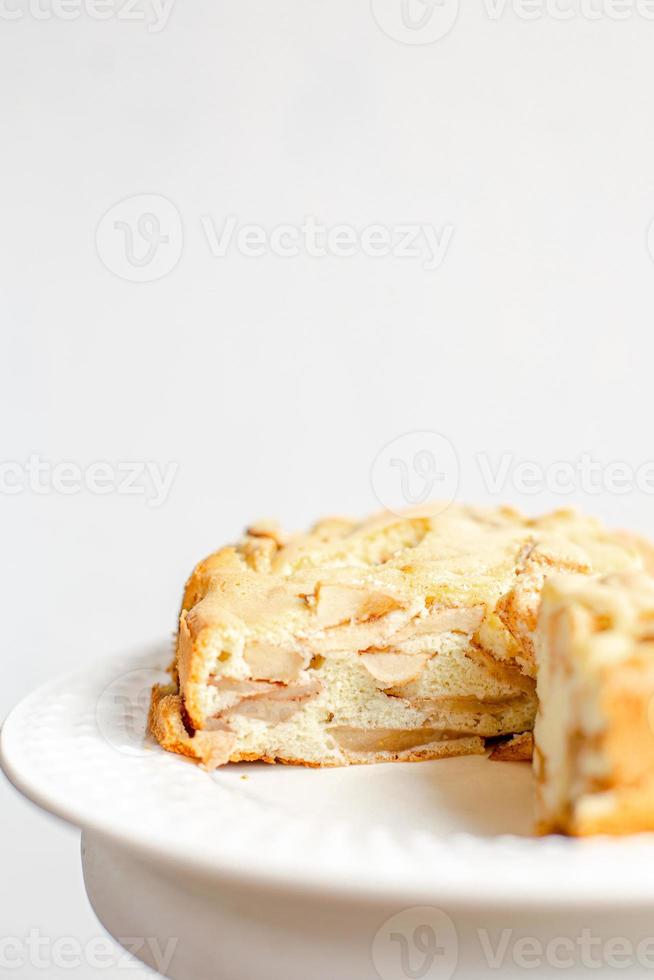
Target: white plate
(455, 831)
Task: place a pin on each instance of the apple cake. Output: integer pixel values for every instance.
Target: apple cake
(397, 638)
(594, 755)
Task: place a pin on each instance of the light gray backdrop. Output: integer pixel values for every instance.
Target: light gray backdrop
(486, 303)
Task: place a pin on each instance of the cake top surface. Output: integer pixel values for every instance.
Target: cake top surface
(343, 571)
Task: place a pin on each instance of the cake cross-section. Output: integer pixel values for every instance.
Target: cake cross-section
(397, 638)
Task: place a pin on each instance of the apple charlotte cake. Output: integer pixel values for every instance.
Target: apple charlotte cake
(399, 638)
(594, 756)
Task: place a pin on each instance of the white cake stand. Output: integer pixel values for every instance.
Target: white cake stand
(256, 873)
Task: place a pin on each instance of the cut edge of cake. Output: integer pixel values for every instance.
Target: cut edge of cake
(400, 638)
(594, 735)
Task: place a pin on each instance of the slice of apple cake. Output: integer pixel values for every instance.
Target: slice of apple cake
(594, 754)
(399, 638)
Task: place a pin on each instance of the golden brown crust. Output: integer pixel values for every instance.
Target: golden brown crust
(519, 608)
(596, 639)
(519, 748)
(442, 750)
(166, 724)
(625, 804)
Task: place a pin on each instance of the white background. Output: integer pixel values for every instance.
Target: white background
(273, 382)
